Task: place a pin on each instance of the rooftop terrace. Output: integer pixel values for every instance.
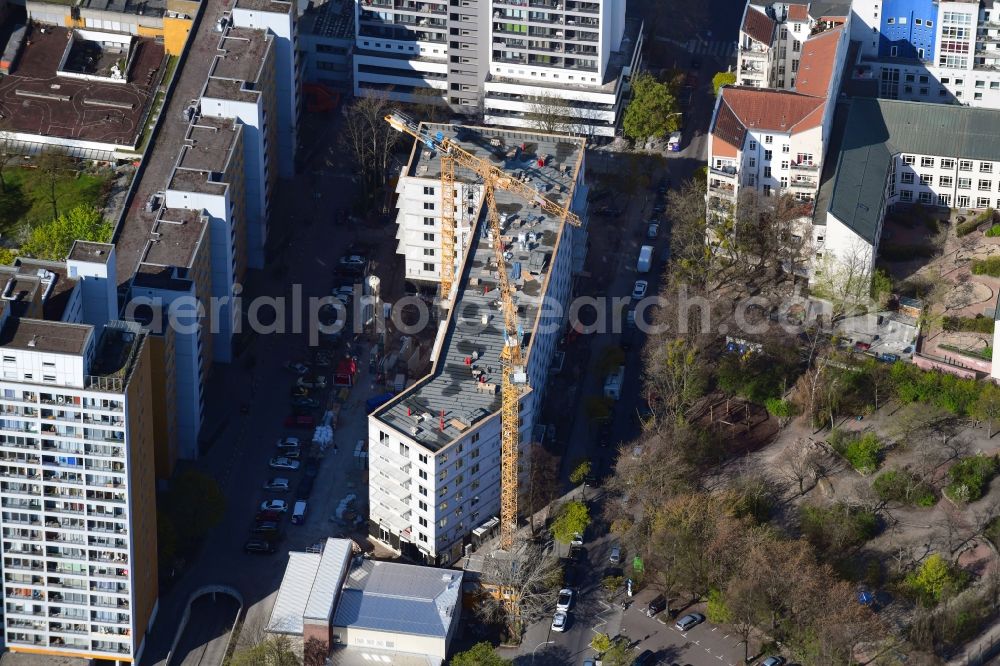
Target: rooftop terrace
(532, 239)
(35, 100)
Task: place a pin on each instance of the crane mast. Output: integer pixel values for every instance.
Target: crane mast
(514, 377)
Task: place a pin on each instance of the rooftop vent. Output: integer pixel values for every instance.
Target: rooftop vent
(33, 341)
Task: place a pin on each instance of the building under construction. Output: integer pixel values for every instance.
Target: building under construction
(435, 450)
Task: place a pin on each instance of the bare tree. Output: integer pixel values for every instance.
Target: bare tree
(543, 481)
(547, 113)
(54, 164)
(431, 105)
(802, 463)
(519, 586)
(845, 278)
(369, 139)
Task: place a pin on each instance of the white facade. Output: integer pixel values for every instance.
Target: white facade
(279, 19)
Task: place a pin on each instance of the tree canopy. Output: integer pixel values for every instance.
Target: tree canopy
(273, 652)
(573, 519)
(53, 241)
(653, 110)
(723, 79)
(480, 654)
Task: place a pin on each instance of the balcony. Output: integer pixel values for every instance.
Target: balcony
(720, 187)
(808, 185)
(109, 603)
(727, 172)
(809, 167)
(755, 52)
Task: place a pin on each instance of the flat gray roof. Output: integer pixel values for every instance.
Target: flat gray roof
(90, 251)
(175, 237)
(140, 8)
(231, 89)
(45, 336)
(187, 180)
(876, 130)
(399, 598)
(242, 52)
(451, 387)
(209, 144)
(274, 6)
(293, 594)
(830, 8)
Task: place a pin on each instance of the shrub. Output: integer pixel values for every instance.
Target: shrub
(993, 231)
(967, 479)
(864, 453)
(716, 610)
(836, 528)
(989, 266)
(935, 580)
(901, 485)
(977, 324)
(967, 227)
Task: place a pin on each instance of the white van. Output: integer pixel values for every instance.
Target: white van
(645, 261)
(299, 513)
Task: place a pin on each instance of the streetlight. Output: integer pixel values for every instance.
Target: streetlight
(536, 650)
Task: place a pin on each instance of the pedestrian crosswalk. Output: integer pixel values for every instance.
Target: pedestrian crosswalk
(715, 48)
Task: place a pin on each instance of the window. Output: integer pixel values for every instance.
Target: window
(980, 84)
(923, 78)
(767, 190)
(422, 490)
(984, 185)
(422, 457)
(428, 205)
(977, 95)
(422, 505)
(767, 155)
(929, 23)
(925, 179)
(785, 148)
(947, 163)
(752, 162)
(429, 221)
(925, 197)
(910, 78)
(893, 50)
(965, 183)
(767, 172)
(963, 201)
(768, 138)
(944, 200)
(917, 22)
(429, 237)
(428, 190)
(422, 521)
(890, 20)
(927, 161)
(994, 85)
(909, 159)
(986, 167)
(784, 164)
(784, 182)
(965, 165)
(905, 195)
(752, 145)
(906, 177)
(429, 267)
(983, 202)
(945, 181)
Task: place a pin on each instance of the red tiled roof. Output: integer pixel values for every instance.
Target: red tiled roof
(764, 108)
(758, 25)
(819, 55)
(798, 13)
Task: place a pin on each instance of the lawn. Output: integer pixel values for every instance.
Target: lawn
(25, 201)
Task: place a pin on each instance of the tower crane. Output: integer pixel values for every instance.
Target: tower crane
(514, 377)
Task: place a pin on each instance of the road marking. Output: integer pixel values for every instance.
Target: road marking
(727, 636)
(719, 657)
(714, 628)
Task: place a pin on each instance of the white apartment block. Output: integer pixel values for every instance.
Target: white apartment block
(77, 503)
(888, 153)
(928, 51)
(561, 65)
(434, 451)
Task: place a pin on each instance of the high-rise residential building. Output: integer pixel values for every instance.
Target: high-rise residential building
(560, 65)
(553, 66)
(326, 42)
(434, 450)
(77, 503)
(930, 51)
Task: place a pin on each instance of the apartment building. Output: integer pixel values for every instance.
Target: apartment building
(326, 42)
(546, 65)
(887, 153)
(773, 141)
(434, 450)
(77, 503)
(772, 36)
(931, 51)
(241, 85)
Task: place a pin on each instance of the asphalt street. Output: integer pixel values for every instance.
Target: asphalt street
(204, 644)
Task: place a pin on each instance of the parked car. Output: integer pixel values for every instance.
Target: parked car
(578, 553)
(311, 468)
(639, 290)
(290, 452)
(265, 528)
(308, 403)
(577, 539)
(317, 381)
(258, 546)
(690, 620)
(288, 443)
(277, 484)
(299, 392)
(267, 517)
(645, 658)
(352, 261)
(653, 230)
(297, 368)
(278, 505)
(559, 621)
(656, 605)
(565, 599)
(616, 555)
(283, 463)
(300, 421)
(773, 661)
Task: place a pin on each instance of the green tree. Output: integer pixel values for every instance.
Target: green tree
(580, 472)
(986, 408)
(783, 410)
(276, 651)
(195, 504)
(53, 241)
(716, 610)
(881, 287)
(600, 643)
(652, 111)
(936, 579)
(480, 654)
(723, 79)
(619, 654)
(7, 256)
(573, 518)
